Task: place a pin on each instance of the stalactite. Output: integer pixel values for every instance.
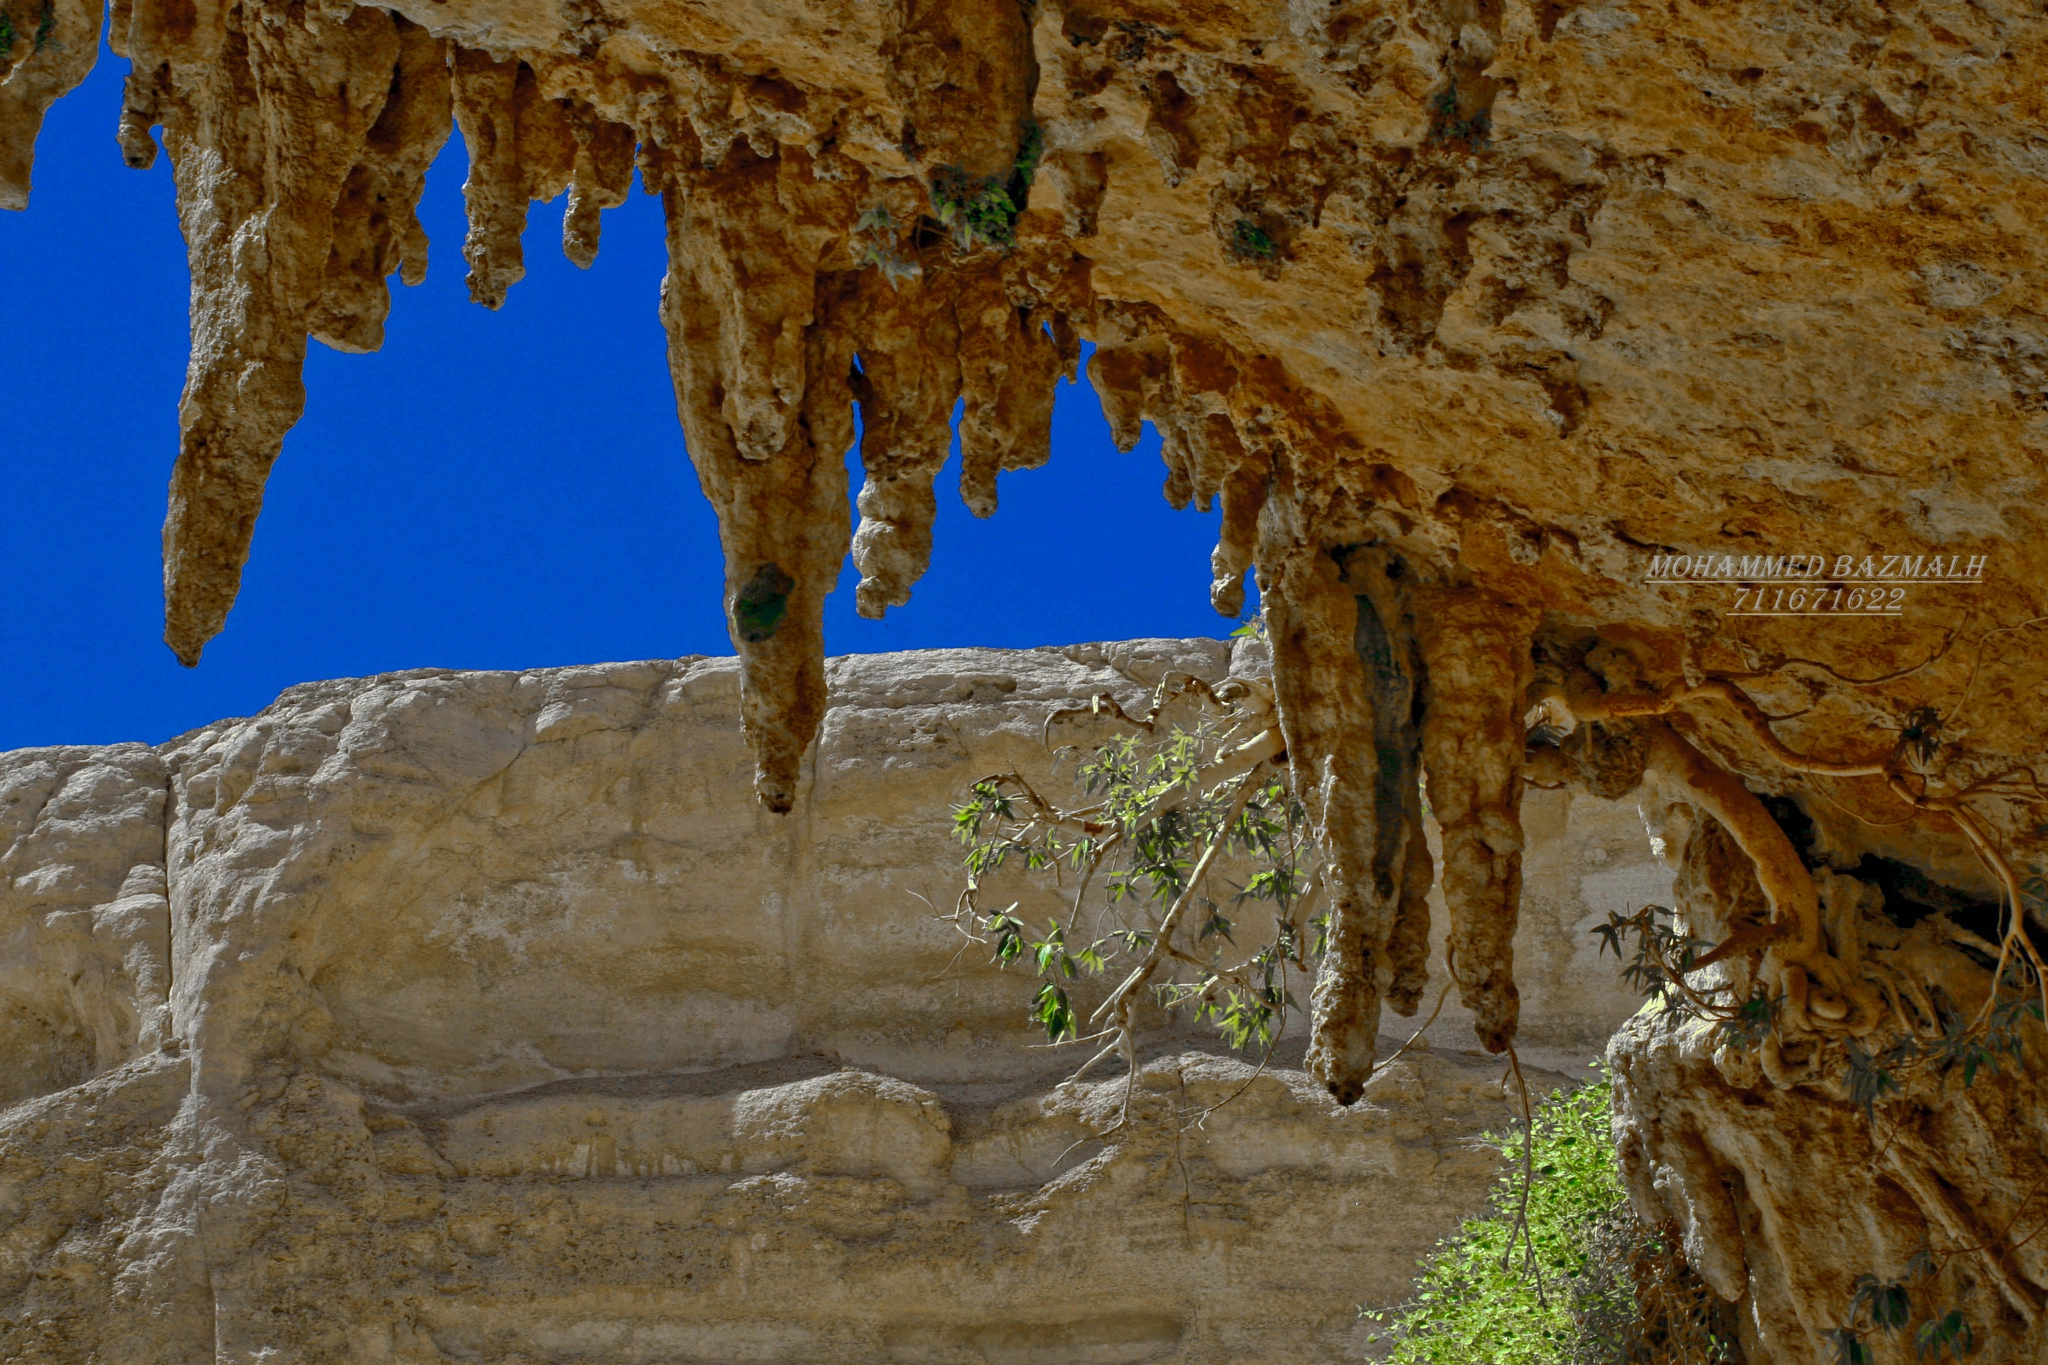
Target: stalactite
(521, 149)
(1184, 386)
(186, 36)
(766, 407)
(1476, 651)
(1400, 869)
(1327, 715)
(377, 230)
(601, 177)
(1408, 947)
(263, 141)
(1351, 683)
(1244, 497)
(1008, 365)
(907, 385)
(1127, 375)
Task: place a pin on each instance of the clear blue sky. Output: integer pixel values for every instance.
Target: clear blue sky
(492, 490)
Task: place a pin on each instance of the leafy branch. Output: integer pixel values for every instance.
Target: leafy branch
(1140, 869)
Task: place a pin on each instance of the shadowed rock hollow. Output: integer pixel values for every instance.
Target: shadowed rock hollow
(1474, 315)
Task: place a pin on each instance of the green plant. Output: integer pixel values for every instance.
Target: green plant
(874, 239)
(983, 211)
(46, 25)
(1665, 965)
(1592, 1285)
(1446, 126)
(1145, 870)
(6, 35)
(1887, 1307)
(1250, 242)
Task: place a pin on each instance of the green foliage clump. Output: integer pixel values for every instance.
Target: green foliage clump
(983, 212)
(1141, 872)
(1446, 126)
(1496, 1294)
(1887, 1307)
(1250, 242)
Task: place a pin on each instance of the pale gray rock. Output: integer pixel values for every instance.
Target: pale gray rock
(445, 1017)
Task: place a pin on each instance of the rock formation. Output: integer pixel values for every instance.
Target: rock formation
(1478, 316)
(467, 1017)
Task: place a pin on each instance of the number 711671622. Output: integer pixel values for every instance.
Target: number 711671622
(1820, 599)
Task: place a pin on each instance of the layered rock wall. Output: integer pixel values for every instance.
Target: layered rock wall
(475, 1017)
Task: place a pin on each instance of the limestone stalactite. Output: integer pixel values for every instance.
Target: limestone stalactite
(263, 140)
(1476, 653)
(765, 400)
(39, 66)
(521, 148)
(1401, 869)
(1327, 713)
(377, 230)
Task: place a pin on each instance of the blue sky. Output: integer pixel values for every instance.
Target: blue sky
(492, 490)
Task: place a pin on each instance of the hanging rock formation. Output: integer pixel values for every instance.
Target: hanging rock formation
(1471, 315)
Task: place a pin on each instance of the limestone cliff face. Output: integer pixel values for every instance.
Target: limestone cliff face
(473, 1017)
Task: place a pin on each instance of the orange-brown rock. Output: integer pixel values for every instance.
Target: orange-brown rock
(1502, 301)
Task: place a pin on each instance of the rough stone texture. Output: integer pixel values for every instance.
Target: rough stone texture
(479, 1017)
(1463, 308)
(1785, 1197)
(1783, 1188)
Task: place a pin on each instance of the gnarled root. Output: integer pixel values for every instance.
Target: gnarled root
(1799, 960)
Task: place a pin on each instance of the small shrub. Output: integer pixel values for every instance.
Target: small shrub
(1589, 1286)
(874, 242)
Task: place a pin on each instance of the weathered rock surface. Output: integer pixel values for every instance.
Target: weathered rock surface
(1792, 1172)
(1465, 311)
(480, 1017)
